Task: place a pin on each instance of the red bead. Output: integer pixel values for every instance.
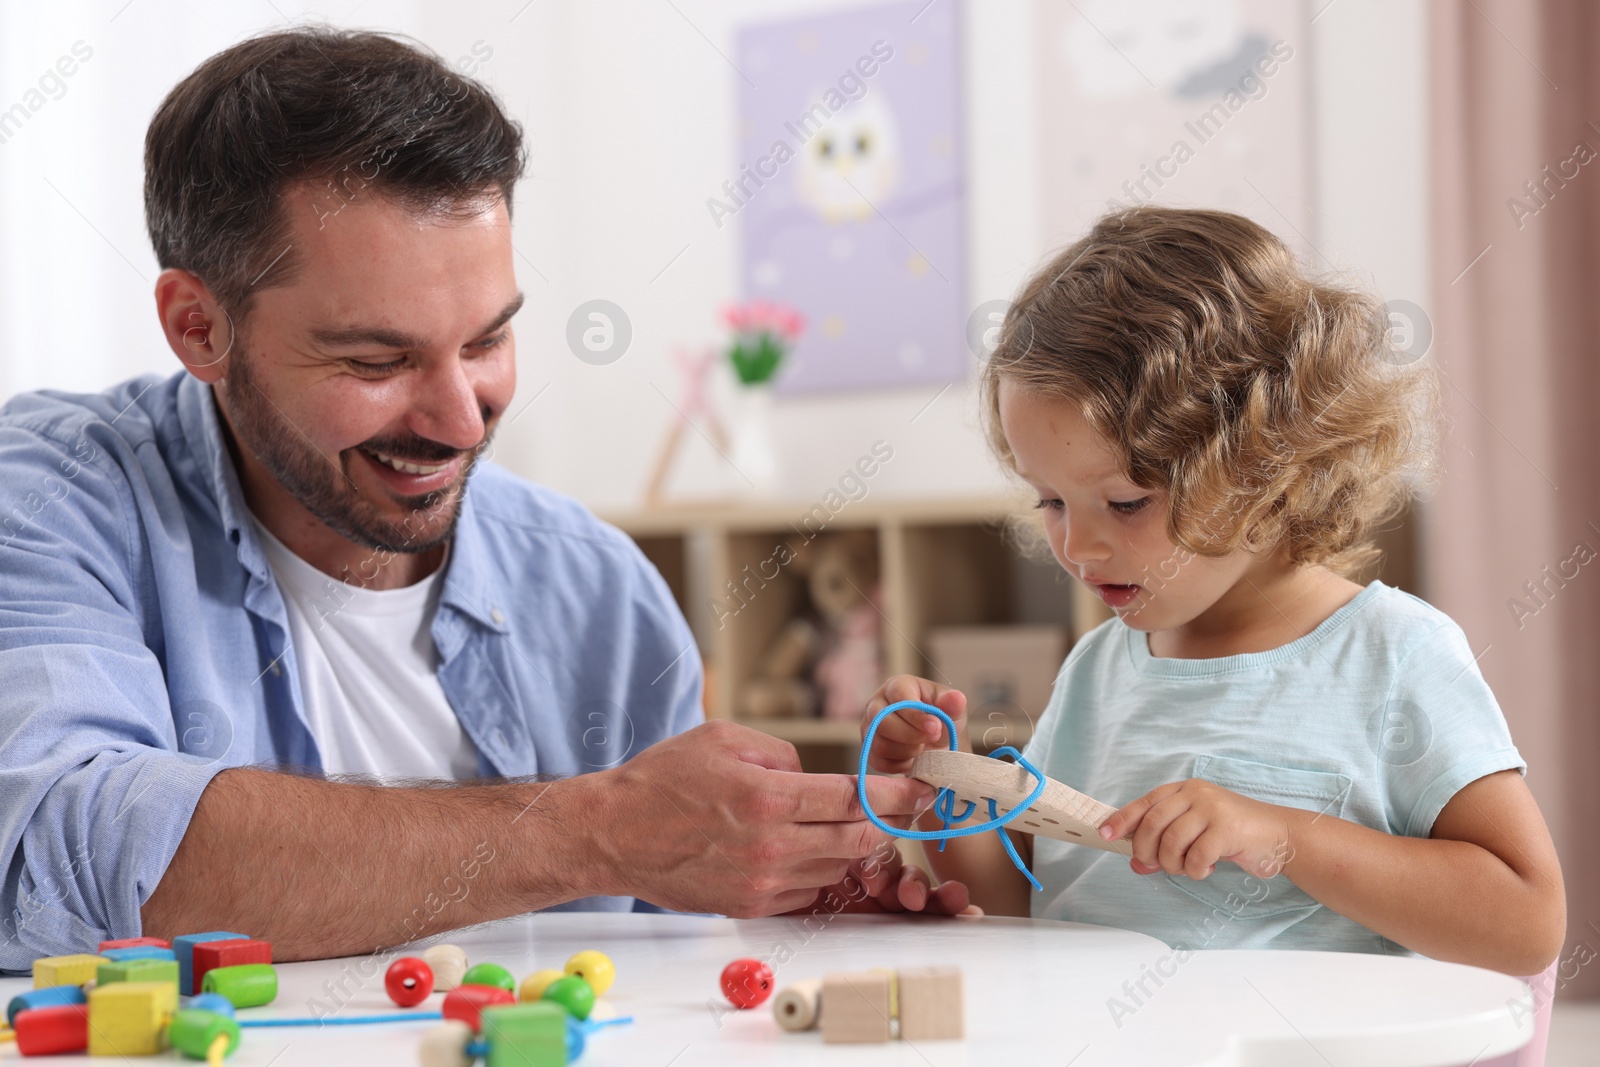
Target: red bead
(42, 1031)
(747, 983)
(136, 942)
(409, 981)
(466, 1002)
(234, 952)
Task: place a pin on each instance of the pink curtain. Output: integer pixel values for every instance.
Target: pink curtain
(1511, 540)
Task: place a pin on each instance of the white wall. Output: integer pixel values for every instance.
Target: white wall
(627, 106)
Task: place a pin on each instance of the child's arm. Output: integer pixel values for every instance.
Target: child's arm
(1485, 889)
(979, 861)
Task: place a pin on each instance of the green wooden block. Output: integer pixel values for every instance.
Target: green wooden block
(526, 1035)
(146, 970)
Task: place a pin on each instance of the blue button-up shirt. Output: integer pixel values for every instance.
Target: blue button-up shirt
(144, 647)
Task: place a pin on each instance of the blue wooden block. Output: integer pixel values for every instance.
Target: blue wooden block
(183, 947)
(142, 952)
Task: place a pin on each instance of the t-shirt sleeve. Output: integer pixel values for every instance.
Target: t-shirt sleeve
(1439, 730)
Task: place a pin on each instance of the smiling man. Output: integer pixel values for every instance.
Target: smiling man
(282, 651)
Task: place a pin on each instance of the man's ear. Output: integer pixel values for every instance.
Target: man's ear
(198, 329)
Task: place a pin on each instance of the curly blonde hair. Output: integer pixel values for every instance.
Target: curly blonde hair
(1271, 408)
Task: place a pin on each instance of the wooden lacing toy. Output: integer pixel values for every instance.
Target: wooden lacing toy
(1041, 806)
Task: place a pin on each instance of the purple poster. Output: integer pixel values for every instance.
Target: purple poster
(850, 193)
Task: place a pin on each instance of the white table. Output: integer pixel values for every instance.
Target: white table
(1037, 994)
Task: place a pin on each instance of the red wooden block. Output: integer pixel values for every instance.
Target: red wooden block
(43, 1031)
(466, 1003)
(136, 942)
(209, 955)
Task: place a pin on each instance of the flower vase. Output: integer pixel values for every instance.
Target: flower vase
(753, 450)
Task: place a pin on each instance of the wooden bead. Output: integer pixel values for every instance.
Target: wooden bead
(799, 1006)
(248, 985)
(490, 974)
(445, 1045)
(449, 963)
(533, 986)
(747, 983)
(571, 993)
(595, 968)
(58, 1028)
(193, 1031)
(408, 981)
(466, 1003)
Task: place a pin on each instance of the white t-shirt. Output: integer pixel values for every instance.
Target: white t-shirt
(369, 672)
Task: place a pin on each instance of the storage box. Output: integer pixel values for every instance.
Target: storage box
(1006, 673)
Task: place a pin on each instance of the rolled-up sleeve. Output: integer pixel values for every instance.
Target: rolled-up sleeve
(94, 794)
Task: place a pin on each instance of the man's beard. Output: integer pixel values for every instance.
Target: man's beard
(322, 483)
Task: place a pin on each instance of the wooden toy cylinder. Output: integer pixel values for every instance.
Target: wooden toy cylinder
(248, 985)
(799, 1006)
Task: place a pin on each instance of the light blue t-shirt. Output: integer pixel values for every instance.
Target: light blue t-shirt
(1378, 716)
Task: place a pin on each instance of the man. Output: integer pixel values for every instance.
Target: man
(224, 593)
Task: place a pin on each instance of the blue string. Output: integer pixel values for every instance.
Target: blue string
(944, 801)
(348, 1020)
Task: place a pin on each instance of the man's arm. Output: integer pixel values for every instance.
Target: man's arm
(718, 819)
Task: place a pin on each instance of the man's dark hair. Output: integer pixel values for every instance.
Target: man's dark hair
(358, 114)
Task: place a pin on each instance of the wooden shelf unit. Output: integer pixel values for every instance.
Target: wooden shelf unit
(941, 563)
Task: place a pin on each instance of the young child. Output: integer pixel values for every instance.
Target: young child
(1301, 761)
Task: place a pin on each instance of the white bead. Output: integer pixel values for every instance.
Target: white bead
(445, 1045)
(449, 963)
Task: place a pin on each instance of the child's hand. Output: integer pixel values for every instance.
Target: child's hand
(884, 882)
(1186, 827)
(908, 732)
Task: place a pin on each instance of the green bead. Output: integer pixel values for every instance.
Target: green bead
(193, 1031)
(145, 970)
(248, 985)
(573, 994)
(525, 1035)
(490, 974)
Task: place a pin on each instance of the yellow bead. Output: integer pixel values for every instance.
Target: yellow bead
(535, 984)
(595, 968)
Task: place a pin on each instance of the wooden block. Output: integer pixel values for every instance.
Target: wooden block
(1061, 812)
(130, 1018)
(138, 971)
(136, 942)
(210, 955)
(183, 947)
(932, 1004)
(855, 1007)
(65, 970)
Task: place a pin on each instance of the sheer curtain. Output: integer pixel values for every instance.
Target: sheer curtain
(1512, 538)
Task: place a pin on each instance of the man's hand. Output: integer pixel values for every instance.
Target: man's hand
(1186, 827)
(721, 819)
(906, 734)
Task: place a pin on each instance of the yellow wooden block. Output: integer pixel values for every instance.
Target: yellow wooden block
(65, 970)
(130, 1018)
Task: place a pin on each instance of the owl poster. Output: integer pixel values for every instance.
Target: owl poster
(849, 198)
